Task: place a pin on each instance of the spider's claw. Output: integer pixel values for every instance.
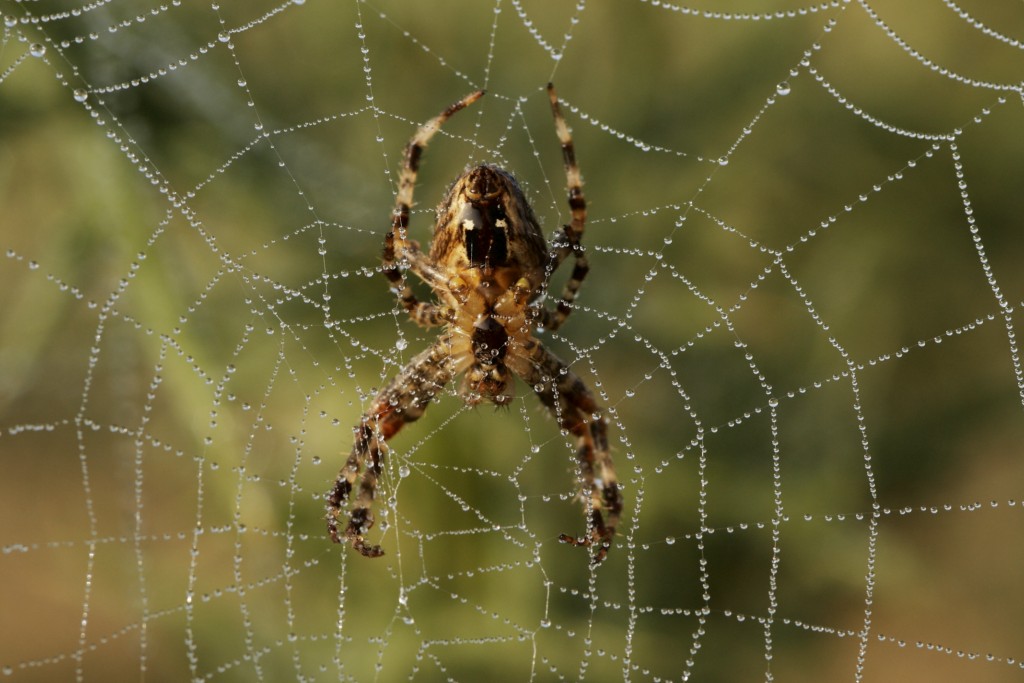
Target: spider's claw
(602, 552)
(366, 550)
(339, 494)
(332, 526)
(360, 519)
(572, 540)
(603, 541)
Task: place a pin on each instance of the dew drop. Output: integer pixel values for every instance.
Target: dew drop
(80, 95)
(783, 88)
(37, 49)
(223, 36)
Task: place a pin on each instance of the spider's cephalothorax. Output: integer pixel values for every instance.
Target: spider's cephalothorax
(488, 266)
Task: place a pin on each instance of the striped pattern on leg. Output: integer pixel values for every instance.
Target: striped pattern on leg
(402, 401)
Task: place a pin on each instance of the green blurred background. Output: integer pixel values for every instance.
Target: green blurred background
(789, 342)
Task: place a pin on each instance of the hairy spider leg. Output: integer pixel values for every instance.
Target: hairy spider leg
(572, 234)
(402, 401)
(577, 411)
(397, 245)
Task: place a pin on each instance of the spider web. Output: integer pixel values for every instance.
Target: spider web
(801, 318)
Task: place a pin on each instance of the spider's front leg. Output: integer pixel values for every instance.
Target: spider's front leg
(569, 242)
(402, 401)
(577, 411)
(397, 245)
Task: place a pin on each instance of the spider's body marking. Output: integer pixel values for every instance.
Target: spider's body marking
(488, 266)
(488, 233)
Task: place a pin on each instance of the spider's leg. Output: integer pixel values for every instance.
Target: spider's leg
(570, 240)
(402, 401)
(577, 411)
(397, 245)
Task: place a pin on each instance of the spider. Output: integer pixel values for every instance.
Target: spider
(489, 266)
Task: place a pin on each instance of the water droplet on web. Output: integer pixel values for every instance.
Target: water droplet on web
(223, 36)
(80, 95)
(401, 343)
(783, 88)
(37, 49)
(403, 471)
(723, 161)
(10, 21)
(33, 265)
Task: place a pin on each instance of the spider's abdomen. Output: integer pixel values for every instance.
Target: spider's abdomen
(486, 231)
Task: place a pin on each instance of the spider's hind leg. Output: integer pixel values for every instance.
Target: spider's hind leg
(402, 401)
(576, 410)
